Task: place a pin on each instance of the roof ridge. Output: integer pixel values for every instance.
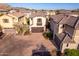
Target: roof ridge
(64, 36)
(62, 19)
(76, 22)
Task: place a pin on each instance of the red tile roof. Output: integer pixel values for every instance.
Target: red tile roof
(67, 39)
(17, 14)
(37, 14)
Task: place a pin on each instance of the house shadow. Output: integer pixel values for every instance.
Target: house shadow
(78, 46)
(42, 51)
(56, 42)
(1, 34)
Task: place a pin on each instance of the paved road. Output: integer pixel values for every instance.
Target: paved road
(23, 45)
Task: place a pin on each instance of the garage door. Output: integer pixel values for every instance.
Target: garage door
(37, 29)
(13, 31)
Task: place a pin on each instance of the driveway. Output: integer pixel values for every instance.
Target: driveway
(20, 45)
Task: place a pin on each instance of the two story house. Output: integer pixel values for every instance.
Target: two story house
(65, 32)
(37, 22)
(8, 20)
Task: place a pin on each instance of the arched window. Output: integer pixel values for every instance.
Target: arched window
(39, 21)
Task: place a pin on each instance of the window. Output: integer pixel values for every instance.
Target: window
(39, 21)
(62, 26)
(67, 45)
(5, 20)
(13, 18)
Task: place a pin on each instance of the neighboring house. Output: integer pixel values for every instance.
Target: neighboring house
(4, 8)
(71, 31)
(65, 32)
(21, 17)
(64, 11)
(8, 20)
(51, 12)
(37, 22)
(54, 20)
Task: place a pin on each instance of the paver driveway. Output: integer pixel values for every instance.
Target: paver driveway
(14, 45)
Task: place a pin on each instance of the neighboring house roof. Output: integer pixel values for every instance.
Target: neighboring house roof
(38, 14)
(67, 39)
(70, 20)
(61, 36)
(5, 15)
(64, 20)
(69, 30)
(66, 36)
(17, 14)
(4, 7)
(65, 11)
(58, 18)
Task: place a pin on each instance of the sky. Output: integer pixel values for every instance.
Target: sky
(47, 6)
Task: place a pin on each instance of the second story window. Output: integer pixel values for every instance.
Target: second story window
(67, 45)
(39, 21)
(5, 20)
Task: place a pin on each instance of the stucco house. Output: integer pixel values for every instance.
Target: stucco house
(65, 32)
(51, 12)
(8, 20)
(37, 22)
(71, 31)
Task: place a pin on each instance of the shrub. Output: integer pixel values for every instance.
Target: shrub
(25, 29)
(71, 52)
(0, 28)
(22, 29)
(47, 34)
(1, 33)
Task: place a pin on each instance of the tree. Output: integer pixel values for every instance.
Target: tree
(0, 28)
(21, 28)
(71, 52)
(1, 33)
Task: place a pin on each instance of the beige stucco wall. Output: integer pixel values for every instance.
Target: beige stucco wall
(60, 29)
(51, 13)
(76, 36)
(70, 46)
(33, 22)
(15, 20)
(6, 25)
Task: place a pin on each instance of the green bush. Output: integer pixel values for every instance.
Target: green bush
(47, 34)
(71, 52)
